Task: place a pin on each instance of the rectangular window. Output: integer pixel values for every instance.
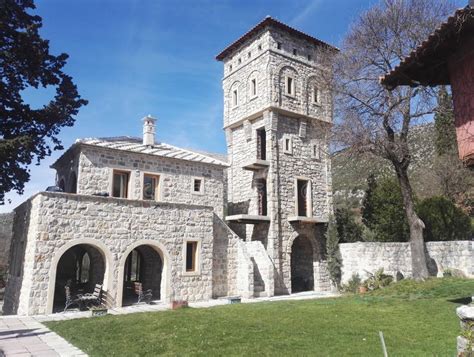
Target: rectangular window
(287, 144)
(290, 86)
(316, 153)
(295, 52)
(262, 197)
(120, 184)
(309, 57)
(302, 197)
(191, 252)
(150, 187)
(316, 95)
(279, 45)
(261, 144)
(198, 185)
(235, 98)
(253, 84)
(250, 54)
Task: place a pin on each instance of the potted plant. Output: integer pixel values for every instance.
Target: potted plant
(98, 310)
(178, 304)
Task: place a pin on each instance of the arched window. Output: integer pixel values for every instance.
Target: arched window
(133, 266)
(83, 264)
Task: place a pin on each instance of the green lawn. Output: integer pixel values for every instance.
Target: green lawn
(417, 319)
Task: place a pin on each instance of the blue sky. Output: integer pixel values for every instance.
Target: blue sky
(131, 58)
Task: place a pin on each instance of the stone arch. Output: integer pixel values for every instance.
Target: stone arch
(101, 247)
(165, 272)
(310, 82)
(301, 254)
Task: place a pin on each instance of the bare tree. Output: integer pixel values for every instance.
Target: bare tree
(371, 119)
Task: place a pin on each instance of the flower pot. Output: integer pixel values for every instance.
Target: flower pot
(178, 304)
(362, 289)
(99, 312)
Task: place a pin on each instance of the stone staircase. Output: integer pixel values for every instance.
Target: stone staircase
(263, 269)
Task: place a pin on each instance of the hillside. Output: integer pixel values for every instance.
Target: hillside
(350, 173)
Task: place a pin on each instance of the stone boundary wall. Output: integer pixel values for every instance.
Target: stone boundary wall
(6, 233)
(362, 257)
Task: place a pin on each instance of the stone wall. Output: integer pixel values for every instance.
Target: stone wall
(50, 223)
(360, 258)
(176, 176)
(6, 233)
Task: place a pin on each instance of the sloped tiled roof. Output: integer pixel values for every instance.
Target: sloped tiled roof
(270, 22)
(135, 145)
(427, 64)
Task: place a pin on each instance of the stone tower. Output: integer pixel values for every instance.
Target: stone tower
(277, 113)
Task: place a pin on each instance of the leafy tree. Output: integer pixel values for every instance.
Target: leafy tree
(443, 220)
(374, 119)
(334, 258)
(383, 212)
(347, 228)
(445, 141)
(28, 134)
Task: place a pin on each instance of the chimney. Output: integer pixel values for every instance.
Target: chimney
(149, 130)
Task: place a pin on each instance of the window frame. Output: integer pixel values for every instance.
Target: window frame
(316, 154)
(309, 196)
(235, 98)
(128, 185)
(292, 87)
(157, 176)
(253, 87)
(288, 150)
(193, 185)
(197, 257)
(316, 92)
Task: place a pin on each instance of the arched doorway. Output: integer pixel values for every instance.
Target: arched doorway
(80, 267)
(143, 265)
(302, 272)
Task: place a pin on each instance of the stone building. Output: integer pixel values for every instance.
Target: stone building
(187, 224)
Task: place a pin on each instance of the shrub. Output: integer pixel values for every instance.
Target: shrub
(334, 258)
(352, 286)
(347, 228)
(378, 280)
(383, 211)
(443, 220)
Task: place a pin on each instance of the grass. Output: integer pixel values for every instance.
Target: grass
(417, 319)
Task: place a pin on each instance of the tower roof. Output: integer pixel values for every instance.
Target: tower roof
(269, 22)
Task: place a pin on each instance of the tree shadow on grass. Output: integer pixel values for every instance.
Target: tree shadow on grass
(462, 301)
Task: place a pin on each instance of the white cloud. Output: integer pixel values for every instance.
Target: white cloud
(307, 11)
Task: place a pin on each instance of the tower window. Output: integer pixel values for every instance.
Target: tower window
(253, 87)
(235, 98)
(295, 52)
(303, 192)
(230, 68)
(261, 144)
(316, 95)
(309, 57)
(259, 47)
(262, 197)
(279, 45)
(290, 86)
(240, 60)
(287, 144)
(191, 256)
(250, 54)
(315, 151)
(120, 184)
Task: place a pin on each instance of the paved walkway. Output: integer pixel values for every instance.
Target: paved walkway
(27, 336)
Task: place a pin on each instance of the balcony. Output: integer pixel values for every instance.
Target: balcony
(304, 219)
(247, 219)
(256, 165)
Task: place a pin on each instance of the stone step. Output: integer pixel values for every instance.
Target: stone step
(260, 294)
(258, 288)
